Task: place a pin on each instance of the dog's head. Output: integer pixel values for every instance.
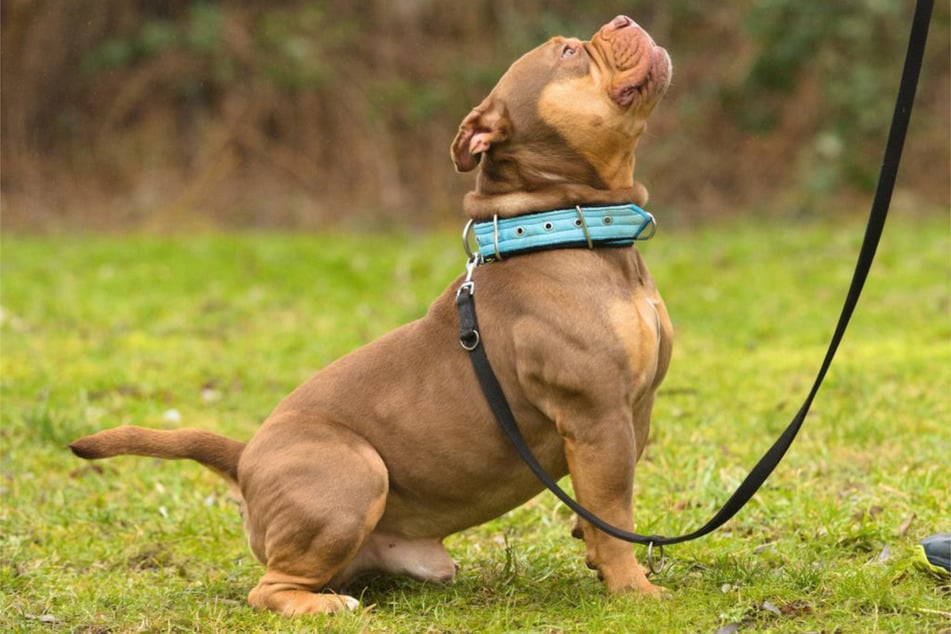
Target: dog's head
(566, 115)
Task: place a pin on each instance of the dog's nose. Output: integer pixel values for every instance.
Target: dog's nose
(621, 22)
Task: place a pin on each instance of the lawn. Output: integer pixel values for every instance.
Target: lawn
(212, 330)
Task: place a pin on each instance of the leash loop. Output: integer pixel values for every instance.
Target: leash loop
(654, 564)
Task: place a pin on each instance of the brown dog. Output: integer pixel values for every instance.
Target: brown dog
(371, 463)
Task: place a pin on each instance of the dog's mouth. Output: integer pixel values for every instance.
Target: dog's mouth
(642, 69)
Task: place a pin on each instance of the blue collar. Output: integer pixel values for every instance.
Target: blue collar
(580, 227)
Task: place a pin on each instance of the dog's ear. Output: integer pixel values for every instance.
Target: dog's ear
(486, 125)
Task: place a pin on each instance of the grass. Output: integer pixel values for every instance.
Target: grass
(211, 331)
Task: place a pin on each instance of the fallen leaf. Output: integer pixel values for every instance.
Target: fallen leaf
(42, 618)
(769, 607)
(730, 628)
(870, 513)
(905, 525)
(886, 554)
(796, 608)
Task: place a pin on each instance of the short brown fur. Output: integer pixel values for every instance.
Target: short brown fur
(372, 462)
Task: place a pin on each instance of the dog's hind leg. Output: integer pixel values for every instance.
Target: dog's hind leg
(314, 492)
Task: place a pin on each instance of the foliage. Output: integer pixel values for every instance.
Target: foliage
(279, 114)
(287, 48)
(843, 47)
(211, 330)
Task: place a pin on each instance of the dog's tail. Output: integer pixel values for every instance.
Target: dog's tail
(216, 452)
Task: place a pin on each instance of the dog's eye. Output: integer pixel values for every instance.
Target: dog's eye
(568, 51)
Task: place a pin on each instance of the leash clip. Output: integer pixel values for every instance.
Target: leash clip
(469, 331)
(467, 284)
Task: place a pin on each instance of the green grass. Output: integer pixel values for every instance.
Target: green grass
(211, 331)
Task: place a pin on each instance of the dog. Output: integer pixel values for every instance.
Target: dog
(373, 461)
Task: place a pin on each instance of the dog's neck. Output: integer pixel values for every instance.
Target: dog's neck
(482, 206)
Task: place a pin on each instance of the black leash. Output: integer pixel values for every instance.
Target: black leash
(470, 338)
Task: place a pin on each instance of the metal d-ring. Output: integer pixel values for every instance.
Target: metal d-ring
(654, 565)
(652, 224)
(466, 232)
(584, 226)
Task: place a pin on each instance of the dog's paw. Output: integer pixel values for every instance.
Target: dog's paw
(298, 602)
(314, 603)
(659, 593)
(632, 580)
(646, 590)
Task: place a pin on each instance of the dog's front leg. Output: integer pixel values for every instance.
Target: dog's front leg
(601, 457)
(590, 402)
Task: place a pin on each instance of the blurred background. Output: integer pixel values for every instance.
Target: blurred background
(185, 114)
